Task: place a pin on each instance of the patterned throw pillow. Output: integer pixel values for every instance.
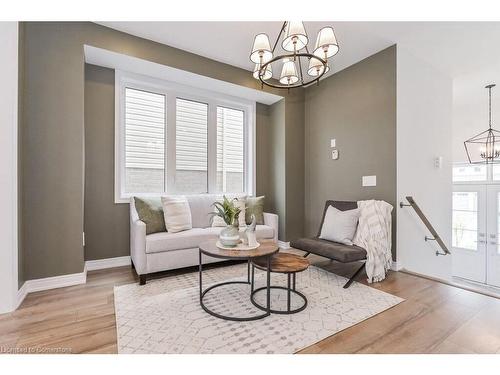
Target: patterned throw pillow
(255, 205)
(150, 212)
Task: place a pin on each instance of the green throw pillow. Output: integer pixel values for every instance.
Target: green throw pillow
(150, 211)
(255, 205)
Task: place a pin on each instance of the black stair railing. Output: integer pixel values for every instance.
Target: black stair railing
(435, 235)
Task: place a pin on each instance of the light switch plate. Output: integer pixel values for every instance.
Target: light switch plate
(369, 180)
(333, 142)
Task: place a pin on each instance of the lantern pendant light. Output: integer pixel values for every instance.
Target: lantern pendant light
(484, 148)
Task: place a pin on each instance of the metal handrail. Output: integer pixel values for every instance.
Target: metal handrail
(435, 235)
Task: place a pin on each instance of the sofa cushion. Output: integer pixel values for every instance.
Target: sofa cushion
(166, 241)
(329, 249)
(201, 206)
(189, 239)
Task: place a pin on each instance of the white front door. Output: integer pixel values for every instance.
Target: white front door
(469, 245)
(493, 247)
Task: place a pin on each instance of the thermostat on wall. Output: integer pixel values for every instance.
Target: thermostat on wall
(335, 154)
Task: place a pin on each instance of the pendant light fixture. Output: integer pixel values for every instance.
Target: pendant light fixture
(294, 57)
(484, 148)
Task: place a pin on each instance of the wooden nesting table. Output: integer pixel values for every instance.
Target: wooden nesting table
(285, 263)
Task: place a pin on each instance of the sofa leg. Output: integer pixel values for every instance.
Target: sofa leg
(132, 264)
(142, 279)
(349, 282)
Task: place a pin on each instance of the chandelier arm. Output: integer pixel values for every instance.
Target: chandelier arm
(279, 35)
(277, 58)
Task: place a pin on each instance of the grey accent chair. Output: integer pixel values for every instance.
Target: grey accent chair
(333, 250)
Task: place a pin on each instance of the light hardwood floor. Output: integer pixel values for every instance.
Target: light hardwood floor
(435, 318)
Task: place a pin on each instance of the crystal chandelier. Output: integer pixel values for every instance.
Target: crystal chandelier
(295, 56)
(484, 148)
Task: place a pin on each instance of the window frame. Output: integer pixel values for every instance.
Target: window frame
(172, 91)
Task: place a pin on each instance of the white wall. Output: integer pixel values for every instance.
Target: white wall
(8, 165)
(424, 125)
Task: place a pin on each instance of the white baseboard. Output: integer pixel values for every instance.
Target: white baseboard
(283, 245)
(21, 294)
(396, 266)
(37, 285)
(100, 264)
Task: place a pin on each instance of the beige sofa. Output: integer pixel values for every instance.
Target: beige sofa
(166, 251)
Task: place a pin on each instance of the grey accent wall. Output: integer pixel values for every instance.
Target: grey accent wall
(357, 107)
(106, 224)
(277, 177)
(53, 137)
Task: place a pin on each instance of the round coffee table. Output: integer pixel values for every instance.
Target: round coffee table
(288, 264)
(263, 253)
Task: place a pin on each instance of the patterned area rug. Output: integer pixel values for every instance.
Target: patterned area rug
(164, 316)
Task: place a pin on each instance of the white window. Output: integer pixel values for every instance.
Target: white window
(469, 172)
(174, 139)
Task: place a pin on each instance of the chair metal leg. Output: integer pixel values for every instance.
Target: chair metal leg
(348, 284)
(306, 254)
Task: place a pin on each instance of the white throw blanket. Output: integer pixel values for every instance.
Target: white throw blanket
(374, 235)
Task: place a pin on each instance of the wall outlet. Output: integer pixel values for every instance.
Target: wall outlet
(369, 181)
(335, 154)
(333, 143)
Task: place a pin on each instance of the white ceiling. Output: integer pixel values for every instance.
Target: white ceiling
(456, 48)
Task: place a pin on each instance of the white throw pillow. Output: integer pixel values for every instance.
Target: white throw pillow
(340, 226)
(241, 203)
(177, 213)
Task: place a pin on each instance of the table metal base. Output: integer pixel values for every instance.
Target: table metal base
(267, 311)
(290, 288)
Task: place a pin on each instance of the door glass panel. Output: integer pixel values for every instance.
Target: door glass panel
(465, 219)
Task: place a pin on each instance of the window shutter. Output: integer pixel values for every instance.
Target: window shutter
(230, 149)
(144, 129)
(191, 135)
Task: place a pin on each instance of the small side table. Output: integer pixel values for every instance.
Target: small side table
(285, 263)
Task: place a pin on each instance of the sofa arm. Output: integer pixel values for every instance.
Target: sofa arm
(138, 246)
(272, 221)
